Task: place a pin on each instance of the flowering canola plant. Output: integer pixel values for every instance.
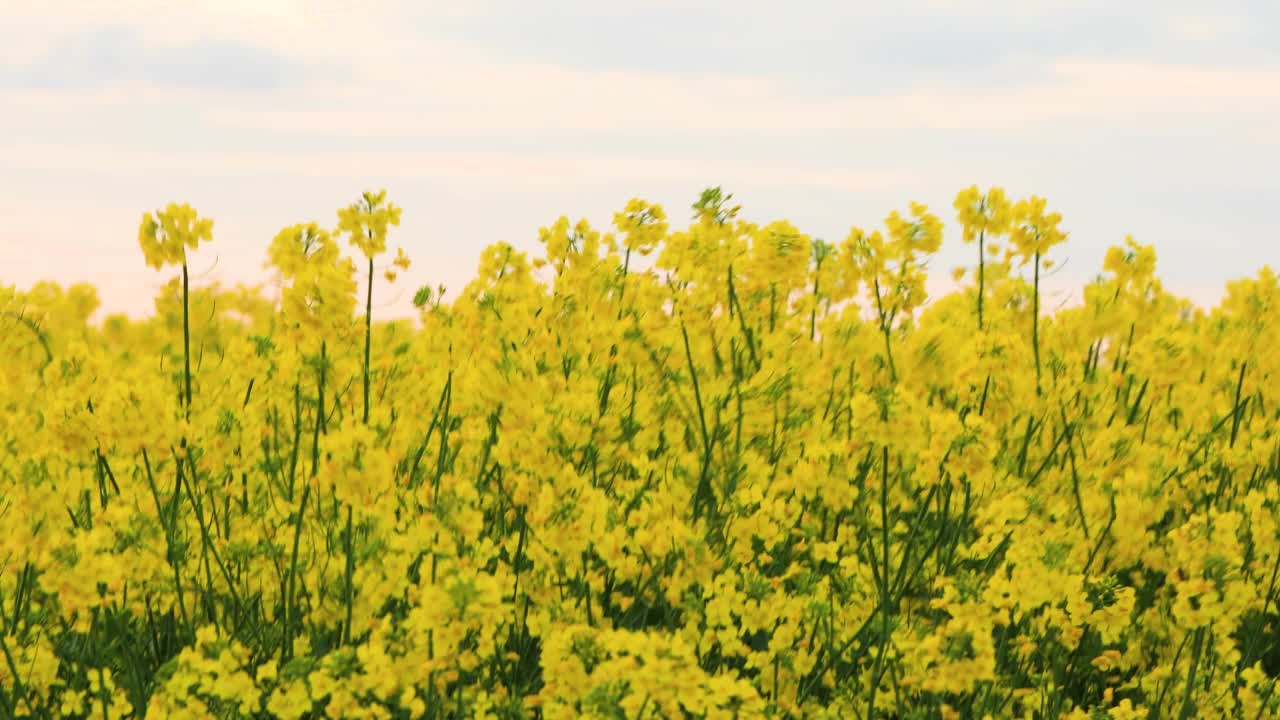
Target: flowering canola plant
(758, 477)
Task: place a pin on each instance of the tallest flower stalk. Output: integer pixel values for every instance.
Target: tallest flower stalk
(982, 215)
(1034, 231)
(366, 223)
(165, 238)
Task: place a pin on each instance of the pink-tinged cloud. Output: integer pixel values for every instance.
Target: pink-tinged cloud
(458, 98)
(511, 170)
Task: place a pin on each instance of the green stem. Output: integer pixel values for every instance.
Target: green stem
(368, 338)
(704, 486)
(982, 278)
(186, 339)
(813, 312)
(622, 284)
(773, 306)
(1188, 708)
(350, 577)
(1237, 408)
(286, 649)
(883, 577)
(319, 426)
(886, 327)
(1035, 321)
(167, 521)
(19, 690)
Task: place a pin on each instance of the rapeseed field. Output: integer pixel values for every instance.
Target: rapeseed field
(725, 471)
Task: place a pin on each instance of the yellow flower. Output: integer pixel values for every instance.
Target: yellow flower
(1034, 229)
(367, 221)
(298, 247)
(166, 235)
(290, 701)
(642, 224)
(402, 260)
(1133, 264)
(978, 212)
(267, 671)
(922, 233)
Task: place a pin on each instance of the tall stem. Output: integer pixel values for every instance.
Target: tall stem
(368, 338)
(886, 328)
(319, 424)
(349, 587)
(186, 340)
(982, 280)
(286, 642)
(1035, 321)
(773, 305)
(1188, 708)
(813, 313)
(622, 284)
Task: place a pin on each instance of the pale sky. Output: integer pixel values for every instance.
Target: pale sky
(487, 120)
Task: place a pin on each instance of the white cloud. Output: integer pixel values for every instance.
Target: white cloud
(489, 169)
(416, 78)
(455, 98)
(1197, 28)
(298, 29)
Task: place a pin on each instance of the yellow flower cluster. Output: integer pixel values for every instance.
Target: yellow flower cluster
(367, 222)
(757, 475)
(319, 298)
(980, 212)
(166, 235)
(1034, 230)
